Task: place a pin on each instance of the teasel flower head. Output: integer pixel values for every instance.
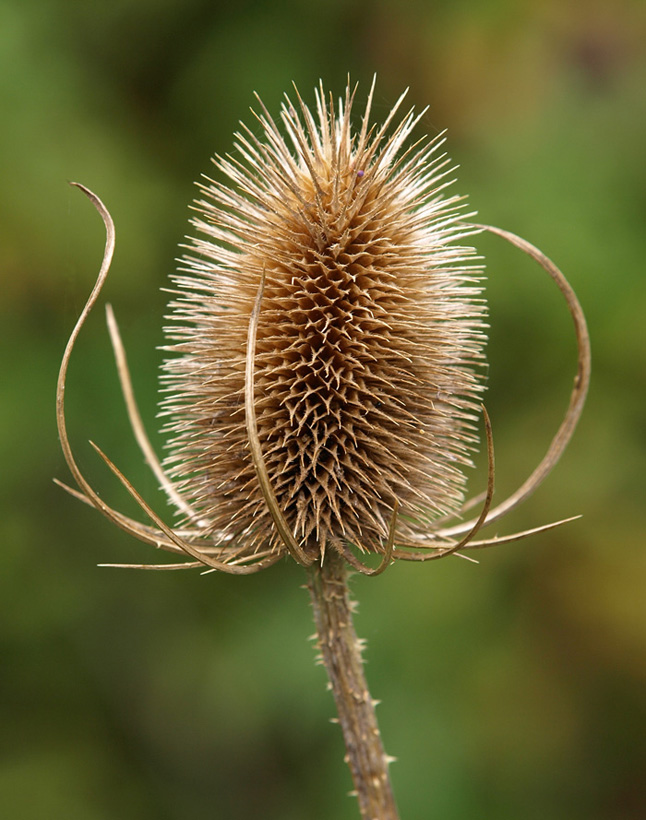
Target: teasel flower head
(324, 370)
(369, 328)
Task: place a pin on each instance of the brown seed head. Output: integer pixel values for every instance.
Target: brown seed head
(369, 327)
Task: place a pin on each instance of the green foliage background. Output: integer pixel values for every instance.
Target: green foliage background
(510, 689)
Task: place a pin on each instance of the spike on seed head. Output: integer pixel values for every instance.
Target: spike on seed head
(370, 325)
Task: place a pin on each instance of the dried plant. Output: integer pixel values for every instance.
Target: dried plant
(322, 385)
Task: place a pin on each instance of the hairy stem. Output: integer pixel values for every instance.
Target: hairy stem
(341, 652)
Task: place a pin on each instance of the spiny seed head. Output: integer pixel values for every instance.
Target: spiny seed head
(369, 329)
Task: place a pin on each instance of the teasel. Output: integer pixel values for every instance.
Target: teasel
(324, 376)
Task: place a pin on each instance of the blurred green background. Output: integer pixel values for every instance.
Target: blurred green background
(514, 688)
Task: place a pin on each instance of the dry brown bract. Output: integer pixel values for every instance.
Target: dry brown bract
(322, 387)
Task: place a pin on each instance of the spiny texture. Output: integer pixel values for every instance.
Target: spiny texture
(369, 328)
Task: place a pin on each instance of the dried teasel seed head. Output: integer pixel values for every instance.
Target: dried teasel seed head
(369, 333)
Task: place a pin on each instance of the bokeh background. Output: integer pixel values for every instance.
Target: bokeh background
(513, 688)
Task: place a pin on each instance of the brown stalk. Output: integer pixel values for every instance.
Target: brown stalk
(341, 653)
